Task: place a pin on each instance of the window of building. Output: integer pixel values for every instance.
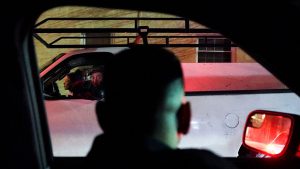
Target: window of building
(214, 49)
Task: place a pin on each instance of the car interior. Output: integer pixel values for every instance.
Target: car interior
(52, 81)
(249, 86)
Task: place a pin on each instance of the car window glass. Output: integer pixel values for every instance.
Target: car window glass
(222, 82)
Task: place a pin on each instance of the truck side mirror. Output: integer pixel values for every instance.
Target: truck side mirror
(268, 132)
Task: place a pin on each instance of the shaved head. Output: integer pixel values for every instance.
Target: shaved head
(143, 85)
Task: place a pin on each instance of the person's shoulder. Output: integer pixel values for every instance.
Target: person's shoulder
(197, 153)
(191, 158)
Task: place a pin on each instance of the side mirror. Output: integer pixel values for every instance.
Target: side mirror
(268, 132)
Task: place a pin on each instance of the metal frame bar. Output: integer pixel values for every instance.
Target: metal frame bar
(127, 45)
(134, 29)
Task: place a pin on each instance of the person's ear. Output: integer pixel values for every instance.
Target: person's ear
(184, 118)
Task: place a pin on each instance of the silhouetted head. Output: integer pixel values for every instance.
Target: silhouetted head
(143, 95)
(71, 78)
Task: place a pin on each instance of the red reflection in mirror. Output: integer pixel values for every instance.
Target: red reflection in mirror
(268, 133)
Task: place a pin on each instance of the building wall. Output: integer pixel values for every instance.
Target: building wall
(243, 56)
(44, 54)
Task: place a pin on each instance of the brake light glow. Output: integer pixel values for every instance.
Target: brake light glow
(274, 148)
(298, 152)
